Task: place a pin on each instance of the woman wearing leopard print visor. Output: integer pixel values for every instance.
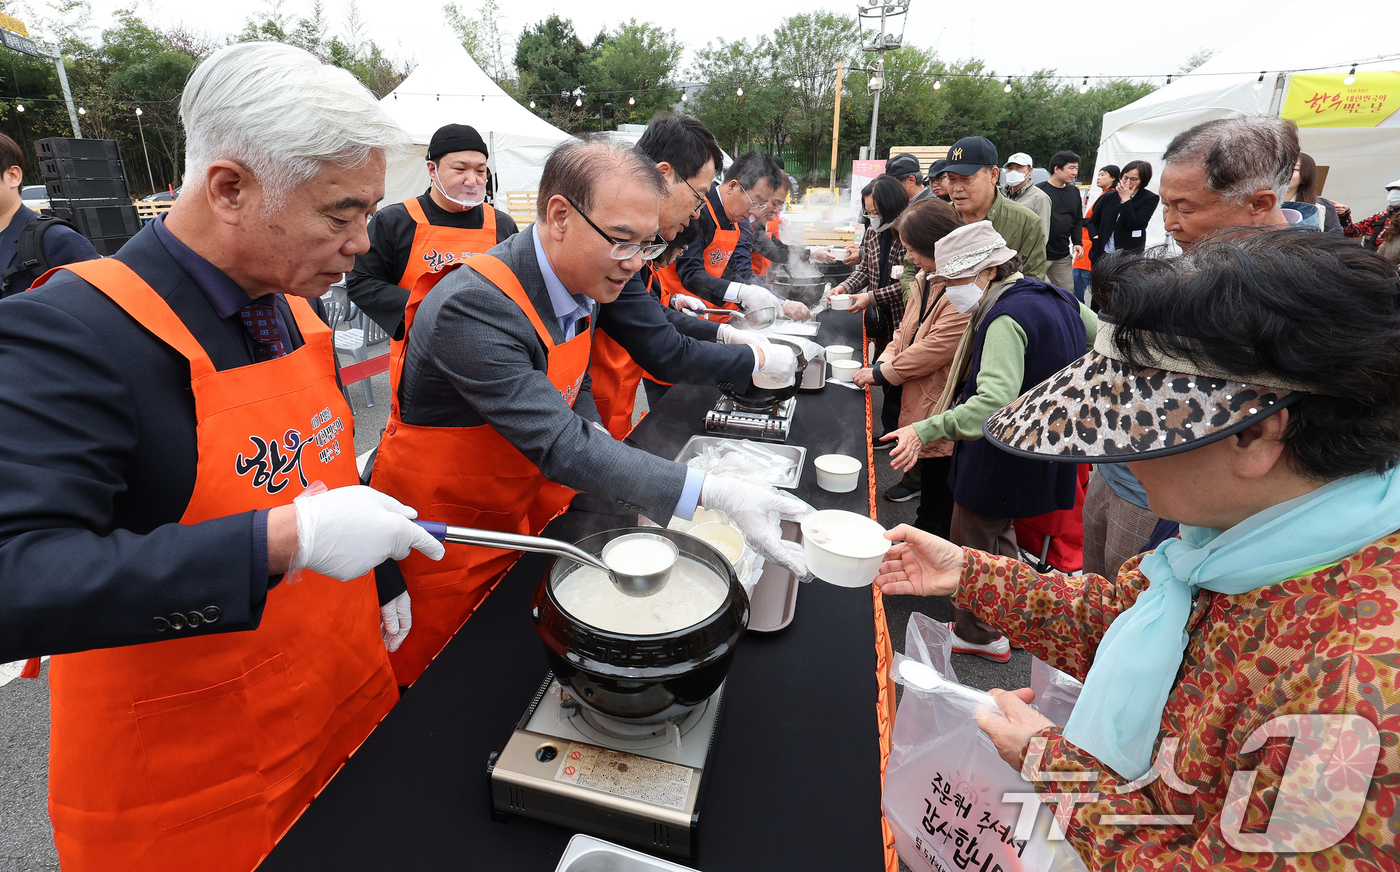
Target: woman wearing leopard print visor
(1253, 386)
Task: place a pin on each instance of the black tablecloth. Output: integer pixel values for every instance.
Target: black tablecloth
(795, 777)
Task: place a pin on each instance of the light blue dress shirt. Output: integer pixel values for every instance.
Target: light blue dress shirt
(571, 308)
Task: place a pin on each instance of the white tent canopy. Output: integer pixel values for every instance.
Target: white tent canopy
(447, 87)
(1359, 160)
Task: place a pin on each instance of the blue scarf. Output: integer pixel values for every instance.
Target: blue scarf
(1119, 712)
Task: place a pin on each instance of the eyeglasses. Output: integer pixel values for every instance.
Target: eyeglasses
(756, 207)
(623, 250)
(699, 198)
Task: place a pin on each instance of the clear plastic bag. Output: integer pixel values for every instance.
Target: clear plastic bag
(946, 786)
(1056, 692)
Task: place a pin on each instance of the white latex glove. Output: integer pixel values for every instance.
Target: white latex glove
(681, 302)
(395, 619)
(797, 311)
(750, 297)
(779, 361)
(346, 532)
(750, 507)
(731, 335)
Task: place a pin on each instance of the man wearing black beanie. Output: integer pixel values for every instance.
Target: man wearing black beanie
(430, 232)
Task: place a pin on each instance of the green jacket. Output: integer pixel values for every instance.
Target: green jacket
(1023, 232)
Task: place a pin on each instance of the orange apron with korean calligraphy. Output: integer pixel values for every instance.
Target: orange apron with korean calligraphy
(201, 752)
(761, 263)
(467, 477)
(438, 248)
(717, 255)
(615, 379)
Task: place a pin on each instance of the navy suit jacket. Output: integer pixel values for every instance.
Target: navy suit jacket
(98, 455)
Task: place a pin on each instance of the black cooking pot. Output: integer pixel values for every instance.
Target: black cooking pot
(747, 394)
(643, 679)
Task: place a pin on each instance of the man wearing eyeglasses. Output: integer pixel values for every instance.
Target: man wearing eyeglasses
(748, 186)
(639, 337)
(493, 423)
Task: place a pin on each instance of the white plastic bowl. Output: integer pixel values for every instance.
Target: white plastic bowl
(841, 302)
(725, 537)
(839, 352)
(837, 473)
(844, 370)
(843, 548)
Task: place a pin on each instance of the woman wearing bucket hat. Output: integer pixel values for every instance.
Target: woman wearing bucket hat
(1254, 387)
(1021, 331)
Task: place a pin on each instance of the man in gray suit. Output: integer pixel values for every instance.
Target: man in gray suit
(494, 402)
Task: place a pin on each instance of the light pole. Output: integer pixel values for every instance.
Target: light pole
(886, 11)
(151, 178)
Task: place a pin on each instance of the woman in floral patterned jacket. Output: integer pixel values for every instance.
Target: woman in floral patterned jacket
(1241, 702)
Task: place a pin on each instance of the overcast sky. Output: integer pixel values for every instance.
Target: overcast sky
(1145, 43)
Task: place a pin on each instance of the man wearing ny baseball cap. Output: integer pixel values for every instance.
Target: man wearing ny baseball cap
(970, 178)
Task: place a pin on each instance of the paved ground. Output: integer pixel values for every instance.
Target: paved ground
(26, 839)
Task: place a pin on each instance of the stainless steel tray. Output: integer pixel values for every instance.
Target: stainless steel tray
(797, 453)
(587, 854)
(774, 599)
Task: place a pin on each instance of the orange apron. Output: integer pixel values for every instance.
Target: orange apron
(615, 379)
(438, 248)
(1083, 262)
(717, 255)
(761, 263)
(467, 477)
(203, 751)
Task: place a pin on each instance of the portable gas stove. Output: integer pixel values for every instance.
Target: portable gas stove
(640, 784)
(769, 422)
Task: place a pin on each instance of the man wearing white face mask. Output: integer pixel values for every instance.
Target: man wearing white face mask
(430, 232)
(1019, 188)
(1022, 331)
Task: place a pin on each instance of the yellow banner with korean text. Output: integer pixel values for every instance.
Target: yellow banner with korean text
(1325, 100)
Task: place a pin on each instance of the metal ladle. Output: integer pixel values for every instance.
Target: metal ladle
(759, 318)
(628, 583)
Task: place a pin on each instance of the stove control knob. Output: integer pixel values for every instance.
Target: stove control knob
(546, 753)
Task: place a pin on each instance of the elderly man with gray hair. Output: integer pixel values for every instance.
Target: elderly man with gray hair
(494, 424)
(179, 464)
(1231, 172)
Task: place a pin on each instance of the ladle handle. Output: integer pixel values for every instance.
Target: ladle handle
(510, 542)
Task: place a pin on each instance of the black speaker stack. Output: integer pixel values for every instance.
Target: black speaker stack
(87, 188)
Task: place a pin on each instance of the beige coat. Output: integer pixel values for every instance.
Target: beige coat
(919, 356)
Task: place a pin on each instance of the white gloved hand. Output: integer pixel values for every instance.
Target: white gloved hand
(395, 619)
(750, 297)
(797, 311)
(751, 507)
(681, 302)
(346, 532)
(779, 362)
(731, 335)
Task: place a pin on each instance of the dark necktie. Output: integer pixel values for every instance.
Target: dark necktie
(266, 330)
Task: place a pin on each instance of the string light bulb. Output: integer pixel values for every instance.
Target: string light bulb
(578, 101)
(19, 107)
(1007, 89)
(685, 96)
(139, 113)
(1169, 78)
(740, 92)
(1084, 86)
(82, 111)
(532, 104)
(937, 83)
(1351, 76)
(631, 101)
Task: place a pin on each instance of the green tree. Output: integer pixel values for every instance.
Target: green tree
(481, 35)
(350, 50)
(632, 69)
(805, 51)
(756, 118)
(552, 61)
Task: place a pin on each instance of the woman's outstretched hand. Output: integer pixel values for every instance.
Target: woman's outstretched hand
(920, 563)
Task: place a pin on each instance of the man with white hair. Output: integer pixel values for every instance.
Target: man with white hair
(179, 463)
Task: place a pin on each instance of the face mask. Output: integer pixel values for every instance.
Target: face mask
(964, 297)
(468, 196)
(1393, 196)
(1014, 178)
(881, 226)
